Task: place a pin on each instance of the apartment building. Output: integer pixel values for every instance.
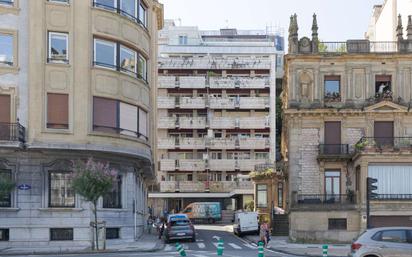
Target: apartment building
(347, 117)
(215, 99)
(77, 80)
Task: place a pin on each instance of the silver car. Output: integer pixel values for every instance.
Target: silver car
(383, 242)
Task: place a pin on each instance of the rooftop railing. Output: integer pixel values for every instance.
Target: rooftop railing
(324, 199)
(359, 46)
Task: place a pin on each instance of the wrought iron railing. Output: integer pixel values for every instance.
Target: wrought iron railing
(12, 132)
(333, 149)
(121, 131)
(359, 46)
(394, 197)
(123, 70)
(383, 143)
(325, 199)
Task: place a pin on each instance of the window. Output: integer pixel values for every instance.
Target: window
(61, 193)
(106, 4)
(58, 47)
(394, 236)
(115, 56)
(7, 2)
(6, 200)
(6, 49)
(57, 111)
(105, 53)
(114, 116)
(261, 196)
(129, 8)
(182, 40)
(127, 59)
(5, 117)
(332, 185)
(337, 224)
(61, 234)
(114, 198)
(59, 1)
(383, 86)
(143, 14)
(261, 156)
(216, 155)
(112, 233)
(189, 177)
(4, 234)
(142, 68)
(280, 195)
(332, 88)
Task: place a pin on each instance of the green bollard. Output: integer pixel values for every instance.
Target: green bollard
(220, 248)
(325, 251)
(260, 249)
(180, 249)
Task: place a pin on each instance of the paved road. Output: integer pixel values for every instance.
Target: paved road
(205, 246)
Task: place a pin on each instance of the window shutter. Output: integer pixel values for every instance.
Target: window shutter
(128, 119)
(57, 111)
(5, 108)
(104, 114)
(332, 77)
(383, 78)
(143, 123)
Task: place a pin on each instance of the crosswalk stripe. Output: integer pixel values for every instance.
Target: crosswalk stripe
(235, 246)
(250, 246)
(201, 245)
(168, 248)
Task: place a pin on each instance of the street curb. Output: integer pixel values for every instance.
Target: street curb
(159, 246)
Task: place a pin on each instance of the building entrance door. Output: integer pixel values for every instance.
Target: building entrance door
(383, 133)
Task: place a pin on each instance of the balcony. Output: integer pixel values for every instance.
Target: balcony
(167, 81)
(222, 165)
(204, 186)
(334, 151)
(192, 82)
(192, 143)
(213, 63)
(222, 143)
(166, 143)
(238, 82)
(166, 122)
(167, 165)
(222, 103)
(253, 102)
(222, 83)
(249, 164)
(12, 132)
(254, 122)
(323, 201)
(192, 102)
(166, 102)
(254, 143)
(192, 122)
(222, 123)
(190, 165)
(383, 144)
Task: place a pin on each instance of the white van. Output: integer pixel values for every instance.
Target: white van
(246, 223)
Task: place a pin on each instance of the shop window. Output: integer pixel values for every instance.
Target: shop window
(61, 193)
(4, 234)
(114, 198)
(337, 224)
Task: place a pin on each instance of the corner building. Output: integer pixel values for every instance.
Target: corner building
(347, 117)
(216, 120)
(76, 81)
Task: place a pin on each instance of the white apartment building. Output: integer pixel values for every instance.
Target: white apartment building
(216, 114)
(384, 20)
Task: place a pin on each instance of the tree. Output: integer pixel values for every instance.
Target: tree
(6, 185)
(93, 180)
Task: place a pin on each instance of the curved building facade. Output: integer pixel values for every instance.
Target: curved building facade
(80, 84)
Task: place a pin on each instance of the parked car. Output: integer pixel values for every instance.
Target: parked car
(179, 227)
(246, 223)
(383, 242)
(204, 211)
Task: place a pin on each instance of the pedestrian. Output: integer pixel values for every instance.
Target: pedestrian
(161, 230)
(149, 224)
(263, 232)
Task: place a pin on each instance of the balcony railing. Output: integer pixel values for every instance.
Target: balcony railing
(213, 63)
(394, 197)
(324, 199)
(333, 149)
(203, 186)
(12, 132)
(383, 144)
(359, 46)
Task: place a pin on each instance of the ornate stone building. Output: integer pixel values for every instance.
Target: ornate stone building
(77, 80)
(346, 117)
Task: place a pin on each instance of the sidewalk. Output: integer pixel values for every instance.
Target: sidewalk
(146, 243)
(281, 244)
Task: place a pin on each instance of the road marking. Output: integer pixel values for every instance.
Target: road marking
(250, 246)
(201, 245)
(199, 255)
(235, 246)
(168, 248)
(216, 237)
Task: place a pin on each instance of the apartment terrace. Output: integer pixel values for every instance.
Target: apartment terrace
(214, 123)
(172, 102)
(214, 143)
(211, 164)
(204, 186)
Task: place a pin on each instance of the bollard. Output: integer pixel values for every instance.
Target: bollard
(325, 251)
(180, 249)
(260, 249)
(220, 247)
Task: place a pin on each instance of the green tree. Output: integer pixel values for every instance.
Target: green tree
(6, 185)
(93, 180)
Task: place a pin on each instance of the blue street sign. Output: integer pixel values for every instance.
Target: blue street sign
(24, 187)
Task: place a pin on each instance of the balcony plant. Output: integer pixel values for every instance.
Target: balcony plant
(6, 185)
(332, 97)
(383, 96)
(93, 180)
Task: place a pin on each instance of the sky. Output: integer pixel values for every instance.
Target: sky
(338, 20)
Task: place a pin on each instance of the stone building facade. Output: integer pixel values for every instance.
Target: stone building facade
(85, 89)
(347, 117)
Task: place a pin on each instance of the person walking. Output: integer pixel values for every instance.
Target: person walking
(263, 232)
(161, 230)
(149, 224)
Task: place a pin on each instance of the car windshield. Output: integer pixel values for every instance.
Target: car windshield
(180, 222)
